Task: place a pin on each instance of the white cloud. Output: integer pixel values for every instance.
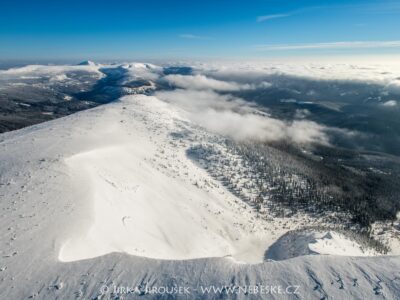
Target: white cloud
(194, 36)
(195, 100)
(393, 86)
(384, 73)
(301, 113)
(201, 82)
(332, 45)
(390, 103)
(270, 17)
(240, 120)
(260, 128)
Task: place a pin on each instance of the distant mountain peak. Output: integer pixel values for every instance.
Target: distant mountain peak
(87, 63)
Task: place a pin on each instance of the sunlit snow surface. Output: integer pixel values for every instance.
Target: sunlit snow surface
(144, 198)
(109, 196)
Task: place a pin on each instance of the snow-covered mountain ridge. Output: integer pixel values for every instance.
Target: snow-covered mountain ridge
(109, 196)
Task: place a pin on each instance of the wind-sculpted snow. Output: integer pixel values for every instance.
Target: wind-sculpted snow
(313, 242)
(147, 199)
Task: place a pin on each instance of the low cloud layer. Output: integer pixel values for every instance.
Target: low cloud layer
(390, 103)
(296, 103)
(240, 120)
(299, 103)
(195, 100)
(201, 82)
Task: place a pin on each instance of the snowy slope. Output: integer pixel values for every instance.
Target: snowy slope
(97, 183)
(140, 209)
(109, 196)
(307, 242)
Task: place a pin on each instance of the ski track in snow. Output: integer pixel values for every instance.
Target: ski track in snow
(108, 197)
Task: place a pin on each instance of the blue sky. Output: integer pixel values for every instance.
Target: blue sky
(184, 29)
